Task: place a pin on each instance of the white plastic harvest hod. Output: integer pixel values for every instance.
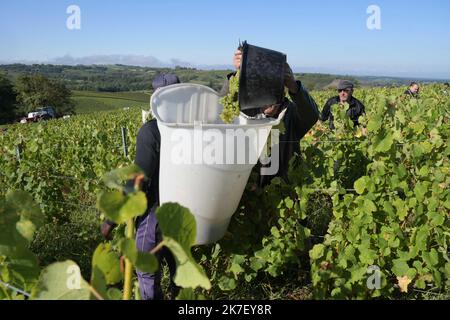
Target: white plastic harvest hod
(211, 191)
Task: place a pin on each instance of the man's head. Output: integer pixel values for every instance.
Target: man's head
(414, 87)
(345, 90)
(162, 80)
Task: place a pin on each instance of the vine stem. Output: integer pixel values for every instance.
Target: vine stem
(95, 293)
(157, 248)
(128, 264)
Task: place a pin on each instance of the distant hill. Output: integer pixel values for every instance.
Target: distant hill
(113, 78)
(122, 78)
(92, 101)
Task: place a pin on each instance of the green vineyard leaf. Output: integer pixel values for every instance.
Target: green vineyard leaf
(179, 232)
(189, 274)
(400, 267)
(144, 261)
(31, 217)
(128, 248)
(186, 294)
(178, 223)
(384, 144)
(116, 178)
(62, 281)
(107, 261)
(360, 184)
(317, 252)
(114, 294)
(119, 208)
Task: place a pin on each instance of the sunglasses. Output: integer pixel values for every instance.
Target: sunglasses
(346, 90)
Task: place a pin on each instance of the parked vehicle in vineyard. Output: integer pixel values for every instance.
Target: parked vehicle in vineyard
(45, 113)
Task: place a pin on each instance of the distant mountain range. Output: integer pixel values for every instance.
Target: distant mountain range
(120, 59)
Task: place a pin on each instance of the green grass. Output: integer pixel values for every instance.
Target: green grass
(90, 101)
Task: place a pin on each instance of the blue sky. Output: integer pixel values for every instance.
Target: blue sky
(322, 36)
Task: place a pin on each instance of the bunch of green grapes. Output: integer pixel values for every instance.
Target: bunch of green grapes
(230, 102)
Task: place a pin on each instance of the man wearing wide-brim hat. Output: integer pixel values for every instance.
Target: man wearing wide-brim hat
(345, 95)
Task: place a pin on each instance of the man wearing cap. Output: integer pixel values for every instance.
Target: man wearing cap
(355, 110)
(446, 88)
(148, 233)
(413, 90)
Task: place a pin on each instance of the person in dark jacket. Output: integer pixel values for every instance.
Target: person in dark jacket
(301, 115)
(148, 233)
(356, 107)
(446, 88)
(413, 90)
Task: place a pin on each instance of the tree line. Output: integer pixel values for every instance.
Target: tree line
(30, 92)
